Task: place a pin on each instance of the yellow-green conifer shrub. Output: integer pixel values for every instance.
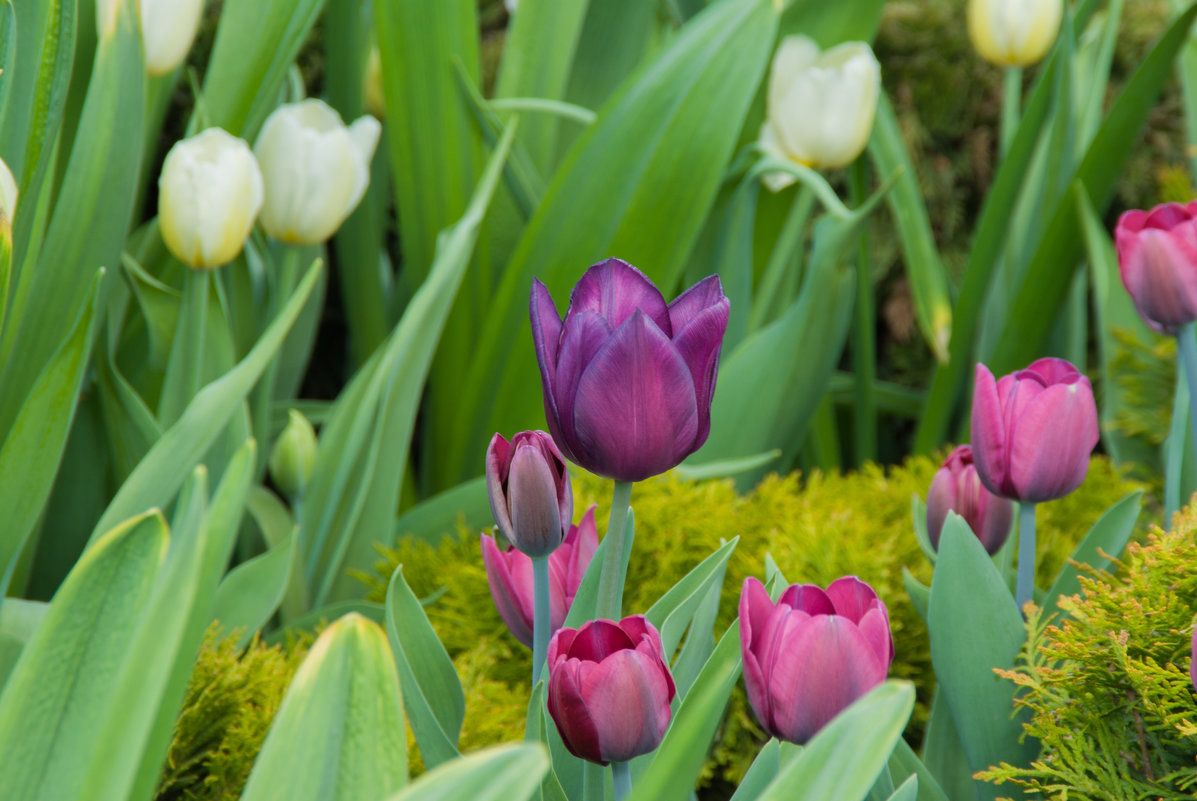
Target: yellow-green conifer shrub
(817, 528)
(1109, 688)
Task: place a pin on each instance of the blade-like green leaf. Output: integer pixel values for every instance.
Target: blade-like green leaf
(943, 754)
(537, 729)
(253, 590)
(19, 620)
(904, 762)
(1105, 540)
(760, 774)
(439, 516)
(503, 773)
(586, 599)
(672, 613)
(339, 734)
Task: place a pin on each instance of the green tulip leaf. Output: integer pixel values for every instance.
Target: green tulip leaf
(1104, 541)
(503, 773)
(761, 773)
(672, 613)
(253, 590)
(904, 762)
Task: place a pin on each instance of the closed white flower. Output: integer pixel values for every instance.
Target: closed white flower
(8, 195)
(316, 170)
(820, 107)
(168, 28)
(1014, 33)
(209, 193)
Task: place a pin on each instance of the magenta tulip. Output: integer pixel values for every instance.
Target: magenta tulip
(956, 488)
(510, 575)
(810, 655)
(628, 379)
(1157, 256)
(1033, 431)
(609, 689)
(530, 494)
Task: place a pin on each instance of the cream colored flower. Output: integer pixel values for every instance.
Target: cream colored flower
(1014, 33)
(168, 28)
(316, 170)
(209, 193)
(820, 106)
(8, 195)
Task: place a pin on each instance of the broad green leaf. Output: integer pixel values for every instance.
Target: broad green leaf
(831, 23)
(907, 791)
(844, 758)
(253, 590)
(58, 694)
(975, 627)
(678, 760)
(439, 516)
(943, 755)
(727, 467)
(432, 692)
(918, 516)
(313, 622)
(700, 641)
(920, 594)
(339, 734)
(538, 729)
(672, 613)
(502, 773)
(733, 257)
(159, 475)
(19, 620)
(760, 774)
(615, 37)
(31, 452)
(904, 762)
(1105, 540)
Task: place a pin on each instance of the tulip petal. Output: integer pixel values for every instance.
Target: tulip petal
(852, 597)
(988, 432)
(1051, 442)
(584, 335)
(635, 411)
(546, 340)
(704, 295)
(569, 711)
(1053, 370)
(559, 645)
(615, 290)
(598, 639)
(1159, 269)
(808, 598)
(874, 626)
(631, 690)
(699, 341)
(498, 455)
(504, 591)
(941, 499)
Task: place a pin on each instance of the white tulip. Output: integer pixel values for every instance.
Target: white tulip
(1014, 33)
(168, 28)
(209, 193)
(511, 4)
(8, 195)
(820, 107)
(316, 170)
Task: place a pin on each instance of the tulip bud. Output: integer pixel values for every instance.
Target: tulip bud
(1157, 257)
(315, 169)
(529, 490)
(8, 196)
(820, 107)
(168, 28)
(294, 456)
(1033, 431)
(209, 193)
(956, 488)
(509, 573)
(627, 379)
(810, 655)
(374, 97)
(609, 689)
(1013, 33)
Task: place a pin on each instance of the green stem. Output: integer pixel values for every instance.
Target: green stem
(1188, 354)
(593, 782)
(195, 295)
(1011, 107)
(621, 775)
(610, 592)
(1025, 589)
(263, 402)
(864, 348)
(540, 619)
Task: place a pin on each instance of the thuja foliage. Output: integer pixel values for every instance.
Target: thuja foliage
(231, 699)
(1109, 688)
(817, 528)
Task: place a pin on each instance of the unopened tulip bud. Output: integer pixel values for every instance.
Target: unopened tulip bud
(209, 193)
(8, 196)
(315, 169)
(1157, 257)
(957, 488)
(374, 96)
(168, 28)
(294, 456)
(530, 494)
(1014, 33)
(820, 107)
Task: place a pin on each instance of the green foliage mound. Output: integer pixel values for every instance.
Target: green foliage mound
(1109, 688)
(816, 529)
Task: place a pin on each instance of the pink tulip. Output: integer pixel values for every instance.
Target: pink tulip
(956, 488)
(529, 491)
(1033, 431)
(510, 575)
(814, 652)
(609, 689)
(1157, 256)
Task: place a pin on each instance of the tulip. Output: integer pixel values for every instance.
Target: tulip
(609, 689)
(1033, 431)
(1014, 33)
(294, 456)
(956, 488)
(628, 379)
(209, 193)
(530, 495)
(810, 655)
(316, 170)
(373, 95)
(1157, 256)
(820, 106)
(8, 196)
(509, 573)
(168, 28)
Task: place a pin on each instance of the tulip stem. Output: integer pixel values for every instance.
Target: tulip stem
(1188, 354)
(540, 619)
(263, 398)
(1025, 587)
(621, 773)
(610, 592)
(1011, 107)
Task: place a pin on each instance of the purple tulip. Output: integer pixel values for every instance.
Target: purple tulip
(1157, 256)
(530, 494)
(1033, 430)
(956, 488)
(628, 380)
(510, 575)
(609, 689)
(810, 655)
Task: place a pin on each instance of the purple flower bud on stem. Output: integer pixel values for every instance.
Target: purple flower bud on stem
(529, 491)
(957, 488)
